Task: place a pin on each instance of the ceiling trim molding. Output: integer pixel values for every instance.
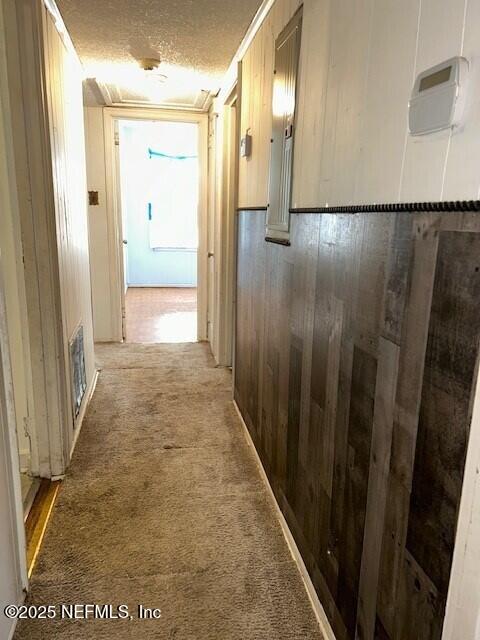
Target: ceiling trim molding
(100, 92)
(147, 106)
(105, 93)
(144, 111)
(110, 95)
(54, 11)
(230, 77)
(131, 104)
(254, 26)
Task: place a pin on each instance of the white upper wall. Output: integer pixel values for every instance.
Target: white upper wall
(100, 257)
(358, 65)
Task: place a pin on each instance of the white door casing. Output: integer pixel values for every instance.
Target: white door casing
(114, 215)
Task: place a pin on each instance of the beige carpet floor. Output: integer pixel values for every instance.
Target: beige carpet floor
(163, 506)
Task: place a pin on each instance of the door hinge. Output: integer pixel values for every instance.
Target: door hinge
(117, 138)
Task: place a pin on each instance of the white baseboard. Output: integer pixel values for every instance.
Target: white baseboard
(318, 609)
(81, 415)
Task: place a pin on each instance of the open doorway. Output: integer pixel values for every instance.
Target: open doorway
(159, 195)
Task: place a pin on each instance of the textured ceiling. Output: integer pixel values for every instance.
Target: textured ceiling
(195, 39)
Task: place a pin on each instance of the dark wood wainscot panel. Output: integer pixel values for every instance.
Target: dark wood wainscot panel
(356, 355)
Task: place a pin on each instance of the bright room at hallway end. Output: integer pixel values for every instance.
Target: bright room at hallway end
(161, 314)
(158, 168)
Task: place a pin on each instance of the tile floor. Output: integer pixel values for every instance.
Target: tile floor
(161, 314)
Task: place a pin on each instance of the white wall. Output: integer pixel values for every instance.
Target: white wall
(44, 226)
(64, 89)
(357, 68)
(13, 576)
(11, 539)
(98, 226)
(11, 250)
(10, 580)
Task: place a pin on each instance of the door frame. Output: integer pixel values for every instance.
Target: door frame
(121, 213)
(8, 418)
(8, 431)
(114, 215)
(213, 217)
(227, 149)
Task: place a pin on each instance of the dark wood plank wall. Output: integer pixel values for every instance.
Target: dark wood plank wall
(356, 355)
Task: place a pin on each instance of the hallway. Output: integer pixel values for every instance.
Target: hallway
(239, 320)
(164, 506)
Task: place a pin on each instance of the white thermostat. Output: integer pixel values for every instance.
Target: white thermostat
(438, 97)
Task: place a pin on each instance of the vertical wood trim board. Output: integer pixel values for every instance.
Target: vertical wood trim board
(356, 356)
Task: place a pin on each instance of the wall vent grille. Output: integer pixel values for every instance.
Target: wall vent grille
(77, 369)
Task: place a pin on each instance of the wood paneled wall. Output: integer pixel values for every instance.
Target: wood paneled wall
(356, 355)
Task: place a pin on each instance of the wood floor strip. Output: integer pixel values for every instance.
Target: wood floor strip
(37, 520)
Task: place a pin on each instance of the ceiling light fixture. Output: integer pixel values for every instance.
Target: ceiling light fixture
(150, 67)
(149, 64)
